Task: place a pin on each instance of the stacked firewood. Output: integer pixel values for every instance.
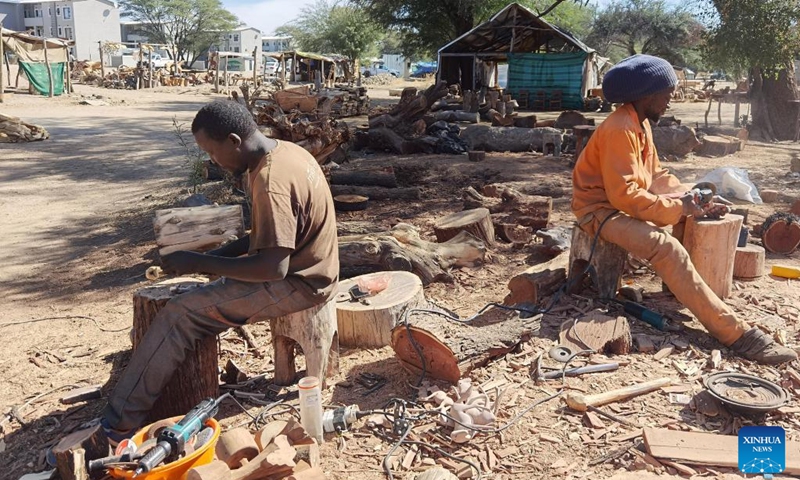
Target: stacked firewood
(14, 130)
(349, 101)
(323, 137)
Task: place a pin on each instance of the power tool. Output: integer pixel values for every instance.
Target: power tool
(171, 440)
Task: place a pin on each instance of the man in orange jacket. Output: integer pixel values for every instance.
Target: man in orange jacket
(620, 188)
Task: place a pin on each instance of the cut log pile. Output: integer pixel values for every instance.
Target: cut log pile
(514, 215)
(349, 101)
(14, 130)
(372, 183)
(323, 137)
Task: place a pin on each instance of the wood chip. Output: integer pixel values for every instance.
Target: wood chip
(682, 469)
(408, 460)
(644, 344)
(626, 437)
(664, 353)
(491, 458)
(560, 463)
(591, 420)
(678, 388)
(507, 452)
(549, 438)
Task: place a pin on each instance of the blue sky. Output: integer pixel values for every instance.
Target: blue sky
(267, 15)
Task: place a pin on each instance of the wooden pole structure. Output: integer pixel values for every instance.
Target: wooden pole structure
(216, 75)
(68, 71)
(150, 66)
(256, 65)
(102, 63)
(49, 70)
(294, 66)
(283, 69)
(227, 80)
(139, 83)
(2, 61)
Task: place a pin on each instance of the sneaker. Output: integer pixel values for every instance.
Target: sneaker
(115, 436)
(758, 346)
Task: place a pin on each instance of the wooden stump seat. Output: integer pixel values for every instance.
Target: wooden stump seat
(607, 262)
(315, 330)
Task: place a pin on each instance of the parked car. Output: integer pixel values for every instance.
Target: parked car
(271, 67)
(377, 70)
(424, 69)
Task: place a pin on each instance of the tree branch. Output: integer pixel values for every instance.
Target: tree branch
(551, 7)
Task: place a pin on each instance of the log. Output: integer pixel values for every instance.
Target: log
(719, 146)
(597, 332)
(526, 210)
(383, 177)
(504, 139)
(582, 135)
(569, 119)
(370, 324)
(477, 221)
(795, 210)
(749, 262)
(506, 229)
(528, 121)
(75, 450)
(236, 445)
(476, 156)
(675, 140)
(452, 349)
(196, 378)
(769, 196)
(780, 233)
(537, 282)
(607, 264)
(411, 107)
(197, 228)
(377, 193)
(455, 116)
(712, 247)
(401, 249)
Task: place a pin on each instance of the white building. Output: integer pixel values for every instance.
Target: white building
(241, 40)
(276, 43)
(85, 21)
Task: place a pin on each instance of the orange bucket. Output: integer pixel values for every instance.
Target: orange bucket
(178, 469)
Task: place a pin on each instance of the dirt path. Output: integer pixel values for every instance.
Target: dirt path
(75, 212)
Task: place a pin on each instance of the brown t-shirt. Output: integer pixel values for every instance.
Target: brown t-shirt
(292, 208)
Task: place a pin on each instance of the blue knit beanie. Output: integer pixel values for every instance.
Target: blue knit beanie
(637, 77)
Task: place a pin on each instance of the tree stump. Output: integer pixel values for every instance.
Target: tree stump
(517, 208)
(315, 330)
(712, 247)
(582, 135)
(196, 379)
(537, 281)
(75, 450)
(781, 233)
(369, 324)
(749, 262)
(476, 156)
(606, 267)
(477, 222)
(452, 349)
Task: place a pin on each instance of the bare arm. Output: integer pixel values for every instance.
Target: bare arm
(267, 265)
(237, 248)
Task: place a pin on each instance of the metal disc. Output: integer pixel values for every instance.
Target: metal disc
(746, 393)
(561, 353)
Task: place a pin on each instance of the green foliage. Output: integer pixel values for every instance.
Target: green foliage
(425, 26)
(752, 33)
(190, 26)
(194, 158)
(628, 27)
(334, 27)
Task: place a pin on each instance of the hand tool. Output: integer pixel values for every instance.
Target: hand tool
(574, 372)
(171, 440)
(580, 402)
(644, 314)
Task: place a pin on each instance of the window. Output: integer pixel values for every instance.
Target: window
(68, 32)
(60, 32)
(38, 13)
(67, 13)
(235, 37)
(58, 11)
(49, 12)
(236, 49)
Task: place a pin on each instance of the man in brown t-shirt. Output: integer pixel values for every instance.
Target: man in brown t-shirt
(288, 263)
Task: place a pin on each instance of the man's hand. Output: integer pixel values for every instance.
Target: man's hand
(180, 263)
(716, 210)
(690, 208)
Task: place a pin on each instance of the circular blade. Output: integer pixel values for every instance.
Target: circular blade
(561, 353)
(746, 393)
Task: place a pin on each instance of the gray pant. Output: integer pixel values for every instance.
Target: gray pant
(207, 310)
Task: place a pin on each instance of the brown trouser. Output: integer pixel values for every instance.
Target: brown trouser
(207, 310)
(671, 262)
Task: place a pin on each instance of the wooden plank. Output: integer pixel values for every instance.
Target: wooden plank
(707, 448)
(197, 228)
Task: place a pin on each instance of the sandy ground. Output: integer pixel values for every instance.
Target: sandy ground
(75, 212)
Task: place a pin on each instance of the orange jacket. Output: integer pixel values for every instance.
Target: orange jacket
(619, 169)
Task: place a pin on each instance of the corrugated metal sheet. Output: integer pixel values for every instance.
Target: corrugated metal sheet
(548, 72)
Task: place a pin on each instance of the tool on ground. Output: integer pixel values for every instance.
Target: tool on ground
(340, 419)
(785, 271)
(154, 273)
(746, 393)
(561, 353)
(171, 440)
(655, 319)
(574, 372)
(580, 402)
(371, 382)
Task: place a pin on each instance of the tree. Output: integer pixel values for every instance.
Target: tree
(334, 27)
(759, 37)
(628, 27)
(188, 26)
(427, 25)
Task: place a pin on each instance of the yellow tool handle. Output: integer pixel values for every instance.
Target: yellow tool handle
(785, 271)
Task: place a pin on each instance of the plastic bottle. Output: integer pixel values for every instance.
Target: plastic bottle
(785, 271)
(311, 407)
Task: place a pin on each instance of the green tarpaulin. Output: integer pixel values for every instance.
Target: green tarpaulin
(547, 72)
(37, 74)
